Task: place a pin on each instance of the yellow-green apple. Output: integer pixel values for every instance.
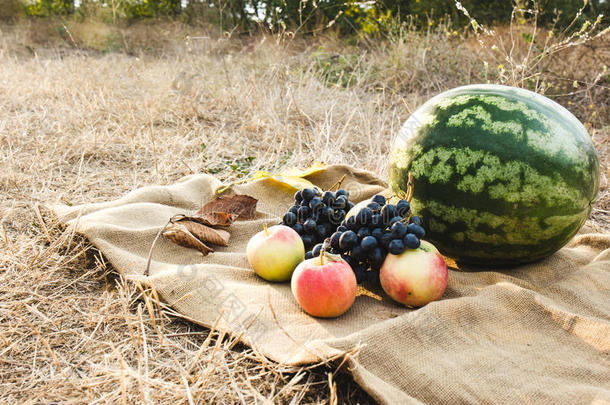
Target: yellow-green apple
(324, 286)
(275, 252)
(415, 277)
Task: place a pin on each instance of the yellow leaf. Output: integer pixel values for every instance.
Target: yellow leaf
(261, 174)
(290, 178)
(313, 169)
(291, 182)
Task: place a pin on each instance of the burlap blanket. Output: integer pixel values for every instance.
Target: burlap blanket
(538, 333)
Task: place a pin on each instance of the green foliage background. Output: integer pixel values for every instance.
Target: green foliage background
(348, 16)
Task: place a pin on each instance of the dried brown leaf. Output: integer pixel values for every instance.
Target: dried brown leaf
(212, 219)
(180, 234)
(196, 230)
(206, 234)
(217, 218)
(239, 205)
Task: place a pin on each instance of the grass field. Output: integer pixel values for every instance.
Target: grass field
(89, 115)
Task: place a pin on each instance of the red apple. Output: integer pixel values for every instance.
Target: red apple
(275, 252)
(415, 277)
(324, 286)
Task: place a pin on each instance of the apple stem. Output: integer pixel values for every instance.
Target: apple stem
(266, 230)
(325, 245)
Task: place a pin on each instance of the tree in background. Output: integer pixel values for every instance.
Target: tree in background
(152, 8)
(348, 16)
(550, 12)
(44, 8)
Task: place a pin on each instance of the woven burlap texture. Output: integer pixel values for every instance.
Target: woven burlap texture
(538, 333)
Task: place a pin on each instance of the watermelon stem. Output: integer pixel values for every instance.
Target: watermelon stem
(410, 188)
(408, 194)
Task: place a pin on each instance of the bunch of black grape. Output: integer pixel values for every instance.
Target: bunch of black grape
(365, 239)
(316, 215)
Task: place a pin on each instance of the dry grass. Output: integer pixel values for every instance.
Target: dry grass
(80, 126)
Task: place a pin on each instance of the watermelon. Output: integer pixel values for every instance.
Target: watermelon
(502, 175)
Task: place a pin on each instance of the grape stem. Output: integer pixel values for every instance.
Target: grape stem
(337, 184)
(407, 219)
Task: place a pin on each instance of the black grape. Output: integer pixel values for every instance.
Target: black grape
(303, 214)
(340, 202)
(351, 223)
(398, 230)
(363, 232)
(417, 230)
(394, 220)
(310, 226)
(316, 204)
(359, 272)
(373, 206)
(379, 199)
(364, 216)
(316, 250)
(416, 220)
(376, 258)
(388, 212)
(334, 239)
(307, 194)
(307, 241)
(342, 192)
(411, 241)
(321, 231)
(328, 198)
(357, 253)
(348, 240)
(377, 221)
(368, 244)
(377, 233)
(396, 247)
(385, 240)
(403, 207)
(298, 228)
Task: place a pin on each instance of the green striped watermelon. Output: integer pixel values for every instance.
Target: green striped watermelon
(502, 175)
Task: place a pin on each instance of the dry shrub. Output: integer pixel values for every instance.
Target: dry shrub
(575, 76)
(426, 63)
(10, 10)
(156, 36)
(93, 35)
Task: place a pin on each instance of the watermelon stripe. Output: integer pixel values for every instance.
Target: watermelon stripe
(486, 227)
(480, 173)
(536, 138)
(496, 253)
